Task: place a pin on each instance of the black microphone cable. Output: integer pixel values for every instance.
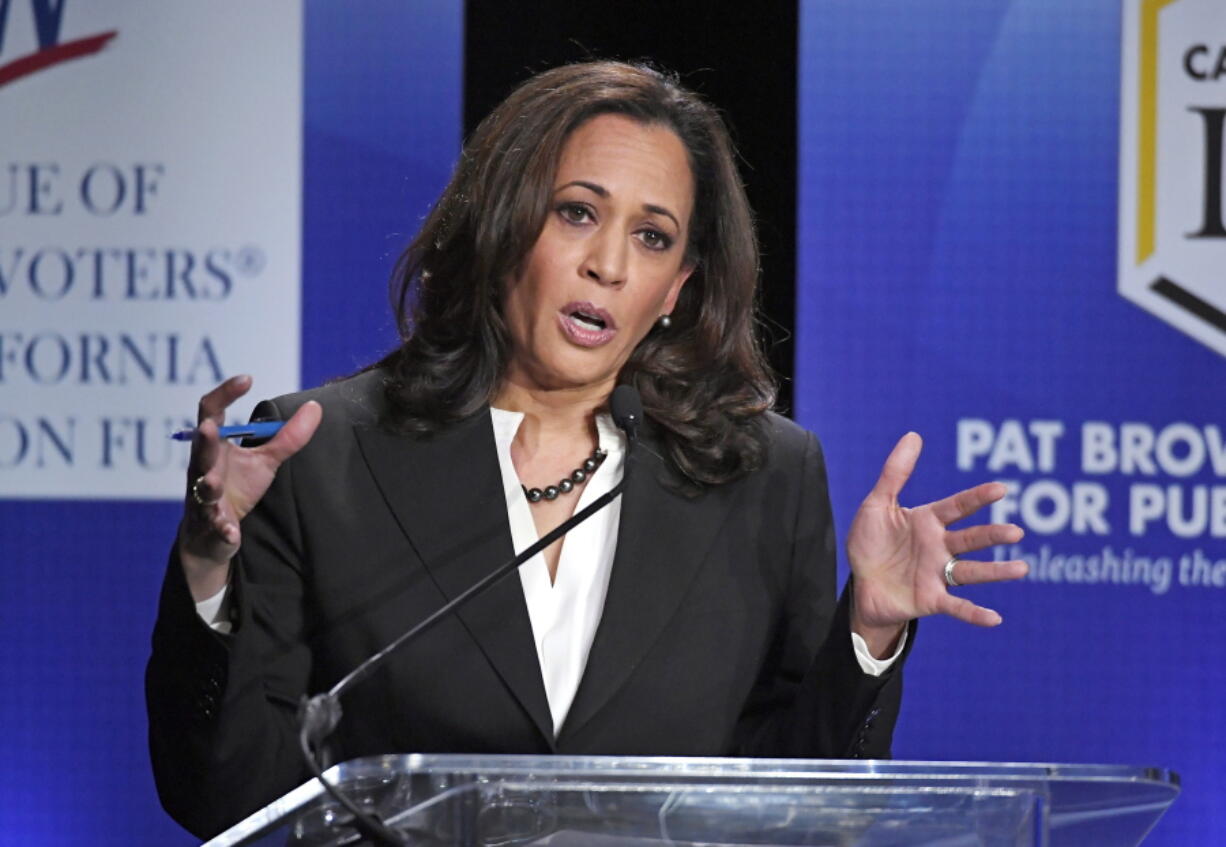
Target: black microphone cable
(319, 716)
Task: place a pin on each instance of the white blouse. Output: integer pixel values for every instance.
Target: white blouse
(564, 614)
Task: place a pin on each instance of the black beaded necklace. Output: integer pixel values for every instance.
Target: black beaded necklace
(567, 484)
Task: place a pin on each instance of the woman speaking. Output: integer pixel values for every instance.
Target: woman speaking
(595, 233)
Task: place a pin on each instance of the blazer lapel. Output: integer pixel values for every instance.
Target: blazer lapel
(662, 540)
(446, 494)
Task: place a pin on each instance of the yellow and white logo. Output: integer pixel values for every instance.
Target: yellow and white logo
(1172, 224)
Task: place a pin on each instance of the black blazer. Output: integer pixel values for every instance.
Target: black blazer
(712, 640)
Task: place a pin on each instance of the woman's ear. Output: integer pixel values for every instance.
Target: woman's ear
(674, 290)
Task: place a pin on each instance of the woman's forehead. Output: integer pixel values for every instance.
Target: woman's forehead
(630, 160)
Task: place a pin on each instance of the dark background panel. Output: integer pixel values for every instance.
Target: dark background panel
(739, 56)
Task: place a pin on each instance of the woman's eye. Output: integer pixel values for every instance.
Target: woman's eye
(655, 239)
(575, 213)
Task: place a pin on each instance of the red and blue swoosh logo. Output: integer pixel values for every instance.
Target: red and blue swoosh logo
(51, 51)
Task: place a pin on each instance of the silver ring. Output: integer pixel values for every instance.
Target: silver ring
(949, 573)
(196, 492)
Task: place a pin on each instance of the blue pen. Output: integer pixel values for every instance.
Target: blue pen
(256, 429)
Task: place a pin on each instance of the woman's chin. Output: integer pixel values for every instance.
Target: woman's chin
(567, 368)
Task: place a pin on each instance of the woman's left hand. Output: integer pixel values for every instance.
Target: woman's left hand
(898, 555)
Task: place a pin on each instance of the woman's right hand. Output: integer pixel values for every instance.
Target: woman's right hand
(225, 481)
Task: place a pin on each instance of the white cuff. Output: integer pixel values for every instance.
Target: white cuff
(215, 612)
(868, 664)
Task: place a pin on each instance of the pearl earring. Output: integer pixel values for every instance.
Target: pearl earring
(664, 321)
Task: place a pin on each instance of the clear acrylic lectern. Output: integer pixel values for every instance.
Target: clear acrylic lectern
(608, 801)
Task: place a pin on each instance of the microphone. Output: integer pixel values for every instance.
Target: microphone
(319, 716)
(627, 409)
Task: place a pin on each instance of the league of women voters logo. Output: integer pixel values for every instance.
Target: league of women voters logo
(1172, 232)
(47, 15)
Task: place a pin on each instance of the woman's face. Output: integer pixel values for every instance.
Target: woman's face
(609, 259)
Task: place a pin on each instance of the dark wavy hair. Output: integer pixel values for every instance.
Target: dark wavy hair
(704, 381)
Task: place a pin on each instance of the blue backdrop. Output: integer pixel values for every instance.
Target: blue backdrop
(382, 100)
(958, 263)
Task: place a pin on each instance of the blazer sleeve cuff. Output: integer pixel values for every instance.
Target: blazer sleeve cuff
(843, 711)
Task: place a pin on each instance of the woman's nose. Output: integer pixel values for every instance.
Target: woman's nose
(606, 259)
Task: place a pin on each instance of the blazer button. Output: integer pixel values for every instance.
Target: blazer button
(207, 704)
